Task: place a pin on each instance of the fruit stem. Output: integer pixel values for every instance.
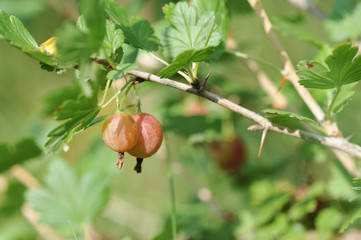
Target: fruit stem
(120, 160)
(138, 167)
(105, 92)
(117, 93)
(124, 97)
(139, 104)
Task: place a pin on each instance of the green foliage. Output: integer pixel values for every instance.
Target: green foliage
(78, 113)
(355, 216)
(69, 198)
(23, 150)
(188, 30)
(344, 97)
(324, 226)
(78, 42)
(112, 42)
(287, 119)
(184, 59)
(220, 13)
(346, 27)
(137, 31)
(13, 31)
(342, 68)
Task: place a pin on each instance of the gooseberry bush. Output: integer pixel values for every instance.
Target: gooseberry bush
(180, 91)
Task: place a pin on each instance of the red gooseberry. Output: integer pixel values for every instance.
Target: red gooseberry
(120, 133)
(150, 136)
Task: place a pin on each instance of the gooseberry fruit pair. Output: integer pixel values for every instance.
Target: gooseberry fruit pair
(139, 135)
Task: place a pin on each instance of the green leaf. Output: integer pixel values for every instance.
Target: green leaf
(342, 68)
(137, 31)
(13, 31)
(23, 150)
(344, 97)
(69, 198)
(94, 15)
(350, 220)
(73, 44)
(113, 39)
(188, 30)
(220, 12)
(324, 226)
(287, 119)
(54, 100)
(357, 184)
(78, 42)
(345, 28)
(78, 115)
(185, 58)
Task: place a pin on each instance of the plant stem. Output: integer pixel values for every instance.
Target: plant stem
(246, 56)
(167, 64)
(117, 94)
(105, 92)
(330, 108)
(124, 97)
(172, 192)
(139, 104)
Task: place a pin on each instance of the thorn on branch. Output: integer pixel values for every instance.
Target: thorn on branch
(205, 81)
(264, 133)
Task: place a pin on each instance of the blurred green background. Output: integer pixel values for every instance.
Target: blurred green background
(290, 192)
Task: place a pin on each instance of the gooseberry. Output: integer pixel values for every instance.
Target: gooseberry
(120, 133)
(150, 136)
(230, 154)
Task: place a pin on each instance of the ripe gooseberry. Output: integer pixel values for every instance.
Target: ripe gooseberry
(230, 154)
(120, 133)
(150, 136)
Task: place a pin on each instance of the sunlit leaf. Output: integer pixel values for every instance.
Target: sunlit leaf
(69, 198)
(287, 119)
(342, 68)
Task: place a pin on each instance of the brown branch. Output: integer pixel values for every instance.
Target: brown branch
(289, 70)
(333, 142)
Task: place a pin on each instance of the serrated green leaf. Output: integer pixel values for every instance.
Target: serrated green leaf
(287, 119)
(342, 68)
(137, 31)
(78, 42)
(54, 100)
(357, 184)
(345, 28)
(344, 97)
(13, 31)
(350, 220)
(185, 58)
(68, 198)
(94, 15)
(188, 31)
(74, 45)
(78, 114)
(113, 39)
(23, 150)
(220, 12)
